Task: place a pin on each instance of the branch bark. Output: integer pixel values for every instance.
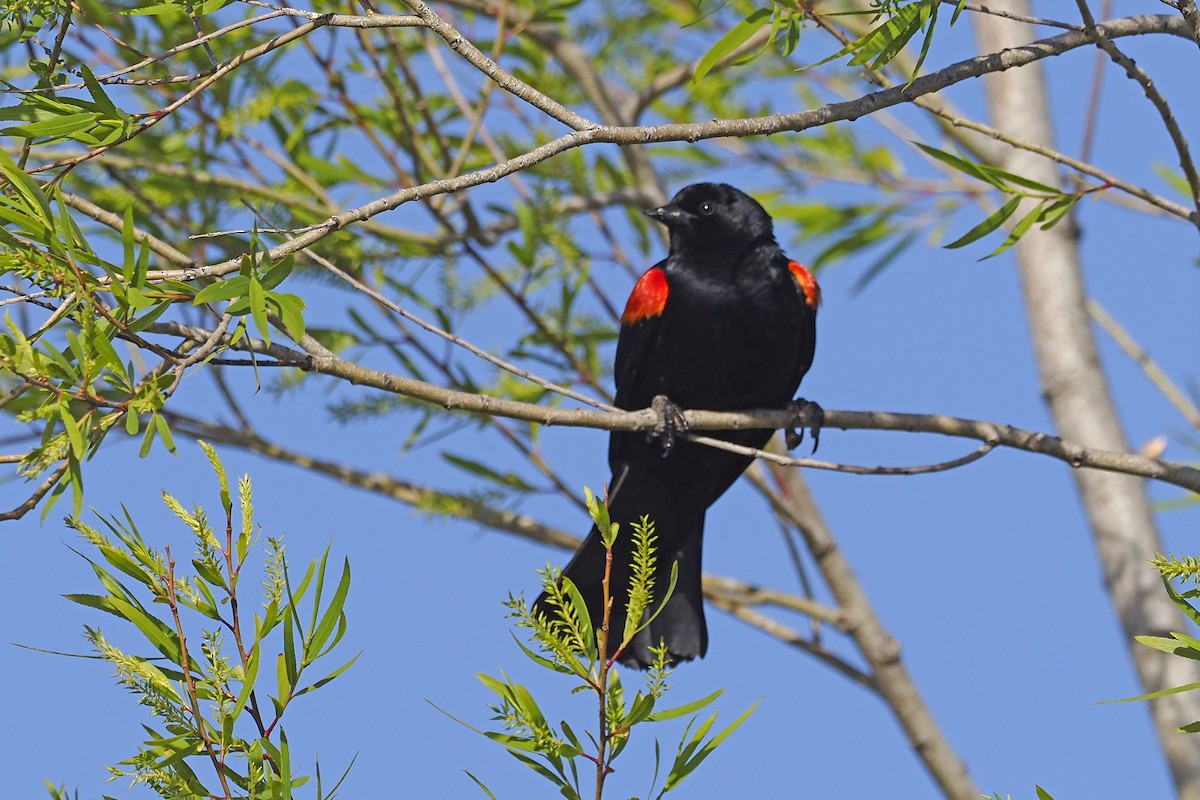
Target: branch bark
(698, 420)
(1075, 388)
(891, 677)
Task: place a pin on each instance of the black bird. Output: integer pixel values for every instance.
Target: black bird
(725, 322)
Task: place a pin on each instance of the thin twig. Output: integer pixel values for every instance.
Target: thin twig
(788, 635)
(1153, 372)
(511, 84)
(1159, 102)
(979, 8)
(33, 499)
(157, 116)
(452, 338)
(811, 463)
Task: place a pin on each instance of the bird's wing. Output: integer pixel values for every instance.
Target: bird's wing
(641, 324)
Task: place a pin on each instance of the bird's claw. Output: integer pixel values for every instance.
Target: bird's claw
(671, 423)
(808, 415)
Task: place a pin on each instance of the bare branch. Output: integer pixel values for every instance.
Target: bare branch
(790, 636)
(1153, 372)
(478, 59)
(1077, 392)
(812, 463)
(979, 8)
(890, 676)
(1191, 15)
(1159, 102)
(35, 498)
(730, 595)
(647, 419)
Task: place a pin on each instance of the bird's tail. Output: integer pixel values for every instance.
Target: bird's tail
(679, 533)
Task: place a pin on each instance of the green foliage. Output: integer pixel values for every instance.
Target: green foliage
(904, 20)
(566, 643)
(218, 710)
(1050, 205)
(1179, 644)
(1185, 568)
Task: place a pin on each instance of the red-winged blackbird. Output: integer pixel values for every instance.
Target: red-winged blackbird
(726, 322)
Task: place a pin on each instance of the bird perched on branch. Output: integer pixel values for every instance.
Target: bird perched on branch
(726, 322)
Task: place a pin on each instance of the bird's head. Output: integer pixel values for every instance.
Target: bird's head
(713, 216)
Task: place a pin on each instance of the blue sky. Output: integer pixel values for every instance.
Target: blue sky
(986, 575)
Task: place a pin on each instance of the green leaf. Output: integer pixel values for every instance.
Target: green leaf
(1187, 687)
(28, 188)
(73, 433)
(881, 43)
(538, 659)
(1056, 210)
(164, 432)
(964, 165)
(224, 289)
(586, 633)
(104, 350)
(735, 38)
(290, 309)
(332, 614)
(1011, 177)
(278, 272)
(480, 784)
(290, 672)
(210, 574)
(258, 309)
(684, 710)
(54, 127)
(1019, 230)
(686, 763)
(891, 37)
(156, 632)
(329, 677)
(248, 681)
(993, 221)
(100, 602)
(97, 92)
(508, 480)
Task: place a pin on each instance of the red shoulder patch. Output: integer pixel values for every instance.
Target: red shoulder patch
(648, 298)
(808, 284)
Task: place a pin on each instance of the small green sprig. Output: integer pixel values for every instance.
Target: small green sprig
(566, 642)
(219, 721)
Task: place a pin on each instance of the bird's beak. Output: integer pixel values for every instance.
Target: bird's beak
(670, 215)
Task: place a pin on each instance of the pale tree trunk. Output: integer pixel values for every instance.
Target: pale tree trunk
(1075, 388)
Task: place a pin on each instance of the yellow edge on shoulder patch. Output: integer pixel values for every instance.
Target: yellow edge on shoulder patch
(808, 284)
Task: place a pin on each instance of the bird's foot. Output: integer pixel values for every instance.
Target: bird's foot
(808, 415)
(671, 423)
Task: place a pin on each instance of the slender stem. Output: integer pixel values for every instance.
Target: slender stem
(1139, 76)
(602, 681)
(190, 680)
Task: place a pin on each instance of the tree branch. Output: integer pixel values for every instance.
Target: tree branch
(890, 676)
(646, 419)
(1139, 76)
(1076, 390)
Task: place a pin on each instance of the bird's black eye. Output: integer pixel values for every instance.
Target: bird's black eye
(707, 208)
